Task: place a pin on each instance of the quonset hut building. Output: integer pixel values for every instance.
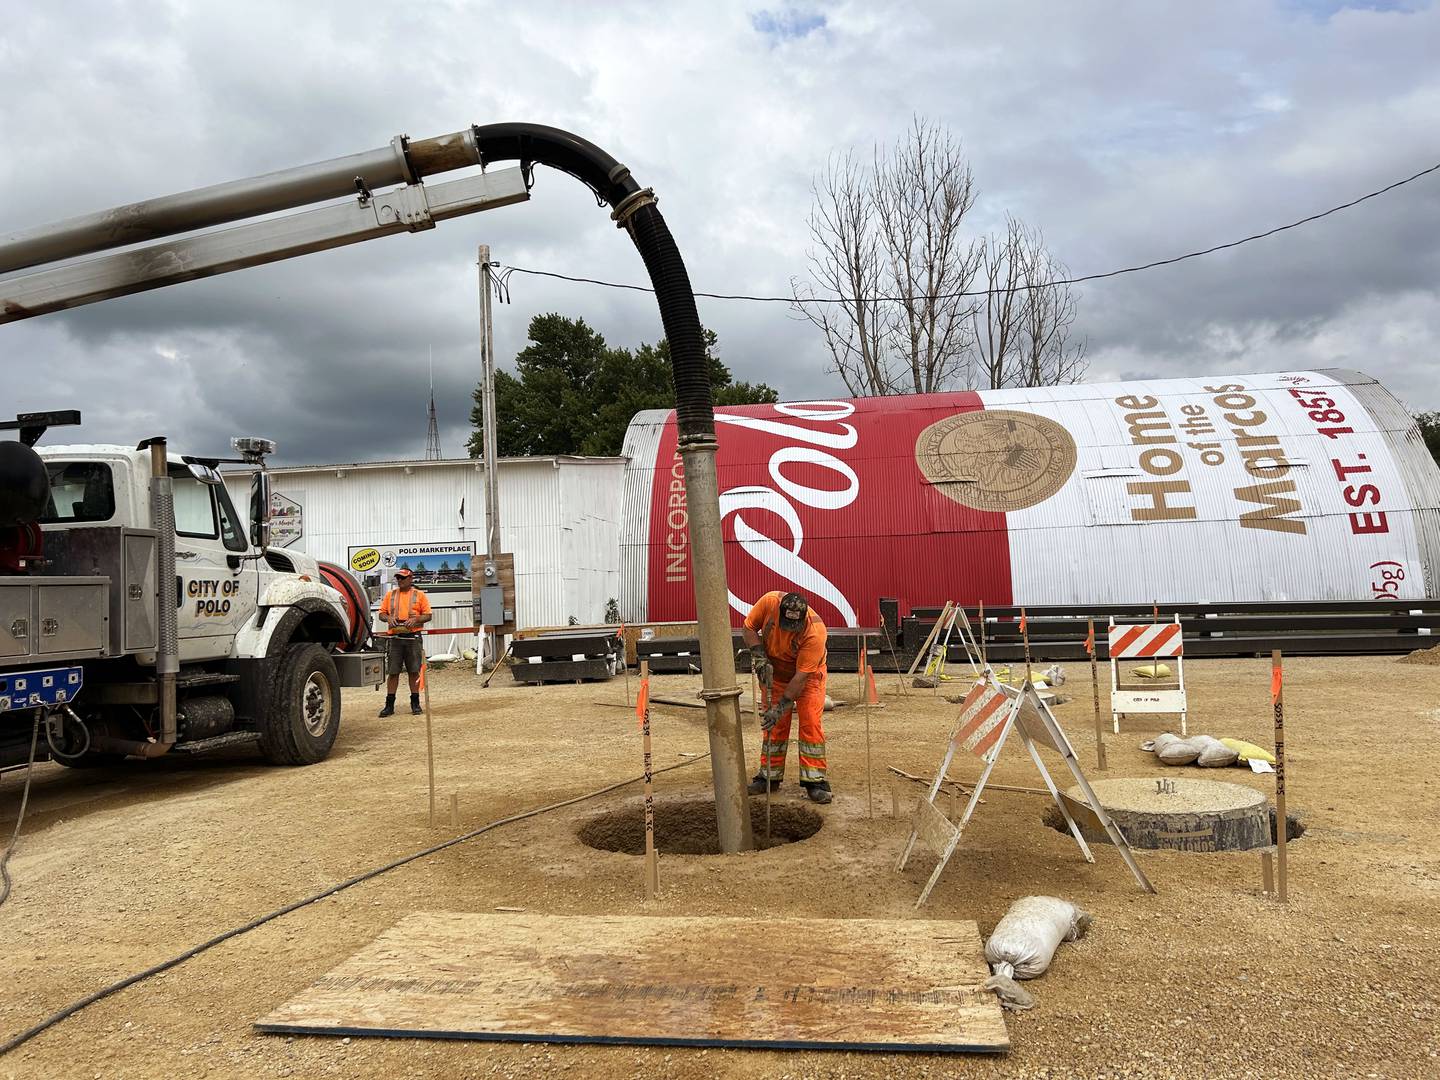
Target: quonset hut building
(1305, 485)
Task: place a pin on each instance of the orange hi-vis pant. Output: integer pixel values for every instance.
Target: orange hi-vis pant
(811, 707)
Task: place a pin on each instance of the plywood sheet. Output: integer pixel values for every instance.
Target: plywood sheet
(845, 984)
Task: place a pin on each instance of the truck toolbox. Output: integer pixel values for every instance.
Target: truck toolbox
(360, 668)
(54, 618)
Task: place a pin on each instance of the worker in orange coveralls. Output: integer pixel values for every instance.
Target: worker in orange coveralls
(787, 648)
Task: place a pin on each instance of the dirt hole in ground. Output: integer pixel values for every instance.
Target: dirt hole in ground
(687, 827)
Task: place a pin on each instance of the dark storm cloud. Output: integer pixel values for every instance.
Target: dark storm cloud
(1153, 130)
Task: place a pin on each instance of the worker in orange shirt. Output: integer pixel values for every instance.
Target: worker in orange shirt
(404, 610)
(787, 648)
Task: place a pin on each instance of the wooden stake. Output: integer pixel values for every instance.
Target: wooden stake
(1100, 758)
(755, 692)
(865, 697)
(1277, 693)
(894, 659)
(652, 859)
(1267, 871)
(625, 666)
(894, 799)
(1025, 636)
(860, 671)
(429, 735)
(454, 810)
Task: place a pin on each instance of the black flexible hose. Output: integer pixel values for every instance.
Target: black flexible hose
(5, 882)
(612, 183)
(694, 409)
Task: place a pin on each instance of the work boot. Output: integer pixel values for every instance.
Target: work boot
(819, 793)
(757, 786)
(389, 709)
(415, 709)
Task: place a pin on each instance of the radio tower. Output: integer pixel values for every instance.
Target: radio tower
(432, 435)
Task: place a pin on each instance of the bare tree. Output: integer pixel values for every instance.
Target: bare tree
(906, 303)
(1022, 325)
(846, 262)
(888, 240)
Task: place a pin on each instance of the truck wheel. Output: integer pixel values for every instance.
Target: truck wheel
(304, 715)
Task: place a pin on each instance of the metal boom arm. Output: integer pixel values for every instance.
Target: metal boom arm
(40, 278)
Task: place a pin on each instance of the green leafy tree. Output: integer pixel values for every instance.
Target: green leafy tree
(1429, 424)
(574, 394)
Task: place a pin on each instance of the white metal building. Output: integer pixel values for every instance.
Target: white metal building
(559, 516)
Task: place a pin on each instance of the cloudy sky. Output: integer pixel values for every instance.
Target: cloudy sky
(1127, 131)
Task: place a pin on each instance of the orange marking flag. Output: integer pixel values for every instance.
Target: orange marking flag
(1275, 683)
(642, 702)
(1090, 640)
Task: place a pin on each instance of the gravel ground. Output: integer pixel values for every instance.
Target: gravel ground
(121, 867)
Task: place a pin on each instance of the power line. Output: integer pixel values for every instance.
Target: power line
(508, 270)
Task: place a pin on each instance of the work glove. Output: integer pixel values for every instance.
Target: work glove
(760, 664)
(772, 715)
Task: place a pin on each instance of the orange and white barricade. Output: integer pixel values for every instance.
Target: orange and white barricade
(988, 715)
(1152, 642)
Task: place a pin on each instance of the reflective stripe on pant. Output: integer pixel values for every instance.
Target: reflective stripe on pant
(811, 708)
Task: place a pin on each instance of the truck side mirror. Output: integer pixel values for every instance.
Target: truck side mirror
(260, 509)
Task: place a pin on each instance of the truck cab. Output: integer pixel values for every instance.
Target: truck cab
(237, 643)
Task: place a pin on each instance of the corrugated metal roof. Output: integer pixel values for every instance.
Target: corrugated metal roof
(442, 463)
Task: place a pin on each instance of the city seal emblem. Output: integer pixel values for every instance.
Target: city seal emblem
(996, 459)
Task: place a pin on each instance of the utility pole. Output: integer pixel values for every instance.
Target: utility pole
(487, 419)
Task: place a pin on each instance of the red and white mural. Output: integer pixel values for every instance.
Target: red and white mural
(1298, 485)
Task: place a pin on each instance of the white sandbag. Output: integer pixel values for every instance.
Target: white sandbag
(1173, 750)
(1214, 754)
(1024, 941)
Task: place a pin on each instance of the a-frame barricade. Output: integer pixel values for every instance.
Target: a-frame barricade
(989, 714)
(1154, 642)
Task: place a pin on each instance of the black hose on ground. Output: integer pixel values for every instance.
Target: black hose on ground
(636, 212)
(165, 965)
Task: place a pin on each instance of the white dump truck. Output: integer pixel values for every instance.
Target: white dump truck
(141, 614)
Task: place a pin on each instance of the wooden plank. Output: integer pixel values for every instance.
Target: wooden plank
(933, 827)
(842, 984)
(1083, 814)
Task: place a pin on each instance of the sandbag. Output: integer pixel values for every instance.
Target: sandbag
(1023, 943)
(1173, 750)
(1248, 751)
(1152, 671)
(1214, 754)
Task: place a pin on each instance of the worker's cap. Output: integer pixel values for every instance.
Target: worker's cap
(404, 574)
(793, 608)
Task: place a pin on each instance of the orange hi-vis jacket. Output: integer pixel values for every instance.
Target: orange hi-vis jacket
(405, 605)
(789, 650)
